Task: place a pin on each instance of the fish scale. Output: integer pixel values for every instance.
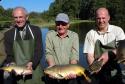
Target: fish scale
(62, 71)
(95, 66)
(19, 70)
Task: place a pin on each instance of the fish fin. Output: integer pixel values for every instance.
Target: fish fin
(24, 76)
(86, 77)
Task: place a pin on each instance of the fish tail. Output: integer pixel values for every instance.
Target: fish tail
(87, 78)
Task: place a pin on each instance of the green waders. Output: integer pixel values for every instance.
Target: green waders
(23, 52)
(110, 72)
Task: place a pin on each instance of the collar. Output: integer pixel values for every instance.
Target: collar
(65, 36)
(102, 33)
(23, 28)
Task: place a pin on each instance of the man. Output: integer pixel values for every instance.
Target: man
(62, 46)
(100, 40)
(23, 47)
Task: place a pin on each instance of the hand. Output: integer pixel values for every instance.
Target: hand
(23, 71)
(49, 75)
(27, 72)
(29, 65)
(28, 69)
(71, 76)
(104, 58)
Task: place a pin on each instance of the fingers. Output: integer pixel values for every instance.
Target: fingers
(29, 65)
(27, 72)
(52, 77)
(29, 69)
(104, 58)
(71, 76)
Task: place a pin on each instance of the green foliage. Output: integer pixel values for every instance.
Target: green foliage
(5, 15)
(76, 9)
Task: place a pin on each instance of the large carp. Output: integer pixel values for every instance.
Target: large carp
(62, 71)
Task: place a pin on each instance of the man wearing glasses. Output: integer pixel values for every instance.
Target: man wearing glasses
(62, 47)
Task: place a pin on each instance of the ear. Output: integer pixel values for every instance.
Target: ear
(68, 25)
(108, 18)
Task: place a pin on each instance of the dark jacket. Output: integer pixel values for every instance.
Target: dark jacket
(9, 40)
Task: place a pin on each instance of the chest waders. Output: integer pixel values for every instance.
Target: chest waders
(107, 71)
(100, 48)
(23, 52)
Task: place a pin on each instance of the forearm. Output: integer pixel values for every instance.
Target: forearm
(50, 57)
(90, 58)
(75, 51)
(108, 55)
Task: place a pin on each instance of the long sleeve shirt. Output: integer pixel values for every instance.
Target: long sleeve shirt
(62, 50)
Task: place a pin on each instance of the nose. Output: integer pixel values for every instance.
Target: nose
(101, 20)
(60, 25)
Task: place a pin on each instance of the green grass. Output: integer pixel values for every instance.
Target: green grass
(41, 23)
(52, 23)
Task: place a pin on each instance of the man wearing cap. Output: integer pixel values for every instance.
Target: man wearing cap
(62, 46)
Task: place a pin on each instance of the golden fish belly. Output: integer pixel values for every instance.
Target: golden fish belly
(62, 71)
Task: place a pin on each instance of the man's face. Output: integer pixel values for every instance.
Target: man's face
(102, 19)
(62, 27)
(20, 17)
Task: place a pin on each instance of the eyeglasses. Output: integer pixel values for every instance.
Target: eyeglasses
(58, 23)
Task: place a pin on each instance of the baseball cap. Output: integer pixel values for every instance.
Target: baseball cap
(62, 17)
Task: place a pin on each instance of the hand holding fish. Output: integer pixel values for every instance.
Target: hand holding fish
(68, 76)
(104, 57)
(66, 71)
(24, 72)
(29, 65)
(71, 76)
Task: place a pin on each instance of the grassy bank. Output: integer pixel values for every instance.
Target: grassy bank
(52, 23)
(40, 23)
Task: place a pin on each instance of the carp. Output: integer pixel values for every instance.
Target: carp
(19, 70)
(95, 66)
(62, 71)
